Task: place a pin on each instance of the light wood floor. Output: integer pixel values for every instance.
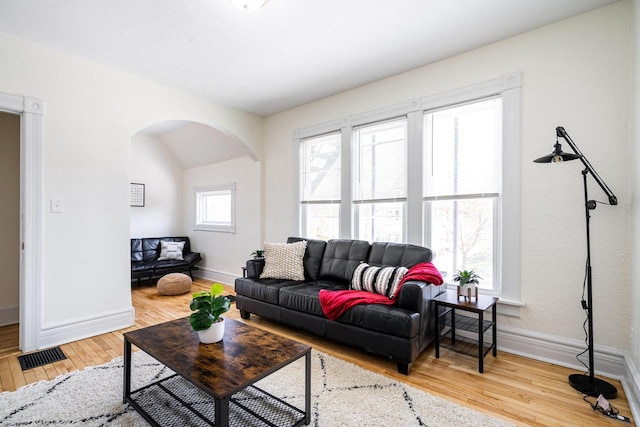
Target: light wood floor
(521, 390)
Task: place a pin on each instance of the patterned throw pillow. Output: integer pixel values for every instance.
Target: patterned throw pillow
(170, 250)
(284, 260)
(380, 280)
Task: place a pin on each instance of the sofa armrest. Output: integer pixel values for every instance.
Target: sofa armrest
(414, 295)
(192, 257)
(255, 267)
(417, 296)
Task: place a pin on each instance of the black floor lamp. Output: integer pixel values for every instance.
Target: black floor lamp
(586, 384)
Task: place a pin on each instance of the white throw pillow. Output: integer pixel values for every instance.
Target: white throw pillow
(170, 250)
(284, 260)
(380, 280)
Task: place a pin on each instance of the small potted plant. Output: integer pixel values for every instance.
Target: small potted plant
(208, 306)
(258, 253)
(468, 280)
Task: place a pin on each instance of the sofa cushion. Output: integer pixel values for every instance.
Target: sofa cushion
(139, 266)
(284, 260)
(150, 249)
(312, 256)
(170, 250)
(266, 290)
(341, 257)
(304, 297)
(392, 254)
(169, 263)
(380, 280)
(388, 319)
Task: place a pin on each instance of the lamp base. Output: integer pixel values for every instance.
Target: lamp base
(583, 384)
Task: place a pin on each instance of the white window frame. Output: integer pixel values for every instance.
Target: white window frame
(357, 202)
(304, 204)
(497, 212)
(508, 87)
(220, 189)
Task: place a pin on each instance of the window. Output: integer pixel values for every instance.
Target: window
(463, 186)
(380, 181)
(320, 177)
(442, 171)
(215, 208)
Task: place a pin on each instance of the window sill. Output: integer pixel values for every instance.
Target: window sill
(216, 228)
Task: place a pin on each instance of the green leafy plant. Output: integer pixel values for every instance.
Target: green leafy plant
(466, 276)
(208, 306)
(258, 253)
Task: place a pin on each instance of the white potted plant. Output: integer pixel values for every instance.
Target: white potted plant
(468, 280)
(208, 306)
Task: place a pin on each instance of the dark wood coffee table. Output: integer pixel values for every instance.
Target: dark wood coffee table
(213, 384)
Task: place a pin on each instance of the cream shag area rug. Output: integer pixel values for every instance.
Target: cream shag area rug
(343, 394)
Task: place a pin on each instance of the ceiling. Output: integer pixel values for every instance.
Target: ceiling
(288, 53)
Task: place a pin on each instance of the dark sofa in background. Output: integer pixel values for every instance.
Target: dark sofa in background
(146, 251)
(400, 331)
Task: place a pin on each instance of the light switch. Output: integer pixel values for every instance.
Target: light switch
(56, 206)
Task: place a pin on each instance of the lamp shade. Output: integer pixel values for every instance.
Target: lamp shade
(248, 5)
(557, 156)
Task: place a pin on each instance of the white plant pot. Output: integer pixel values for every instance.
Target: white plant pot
(465, 288)
(468, 290)
(213, 334)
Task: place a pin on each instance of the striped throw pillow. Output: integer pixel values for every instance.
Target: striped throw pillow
(380, 280)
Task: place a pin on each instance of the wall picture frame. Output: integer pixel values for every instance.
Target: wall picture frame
(137, 194)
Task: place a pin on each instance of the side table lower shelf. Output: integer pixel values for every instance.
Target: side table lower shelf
(461, 343)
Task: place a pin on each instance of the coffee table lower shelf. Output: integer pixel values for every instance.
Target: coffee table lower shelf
(174, 401)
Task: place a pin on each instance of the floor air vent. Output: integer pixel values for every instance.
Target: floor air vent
(39, 358)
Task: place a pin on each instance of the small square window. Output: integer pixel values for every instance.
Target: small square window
(215, 208)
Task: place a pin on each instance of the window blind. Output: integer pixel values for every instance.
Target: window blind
(380, 162)
(320, 171)
(463, 154)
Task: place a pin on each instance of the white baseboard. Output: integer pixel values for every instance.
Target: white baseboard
(561, 351)
(609, 362)
(631, 385)
(216, 276)
(78, 329)
(9, 315)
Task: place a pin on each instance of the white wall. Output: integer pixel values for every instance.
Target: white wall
(9, 217)
(225, 253)
(91, 114)
(153, 165)
(576, 74)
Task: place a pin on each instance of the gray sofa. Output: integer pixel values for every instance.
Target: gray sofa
(399, 332)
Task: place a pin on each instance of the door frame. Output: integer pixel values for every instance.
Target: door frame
(32, 112)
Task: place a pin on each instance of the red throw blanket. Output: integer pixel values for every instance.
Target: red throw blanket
(335, 303)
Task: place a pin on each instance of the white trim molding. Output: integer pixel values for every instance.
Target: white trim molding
(216, 276)
(631, 385)
(77, 329)
(560, 351)
(31, 112)
(609, 362)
